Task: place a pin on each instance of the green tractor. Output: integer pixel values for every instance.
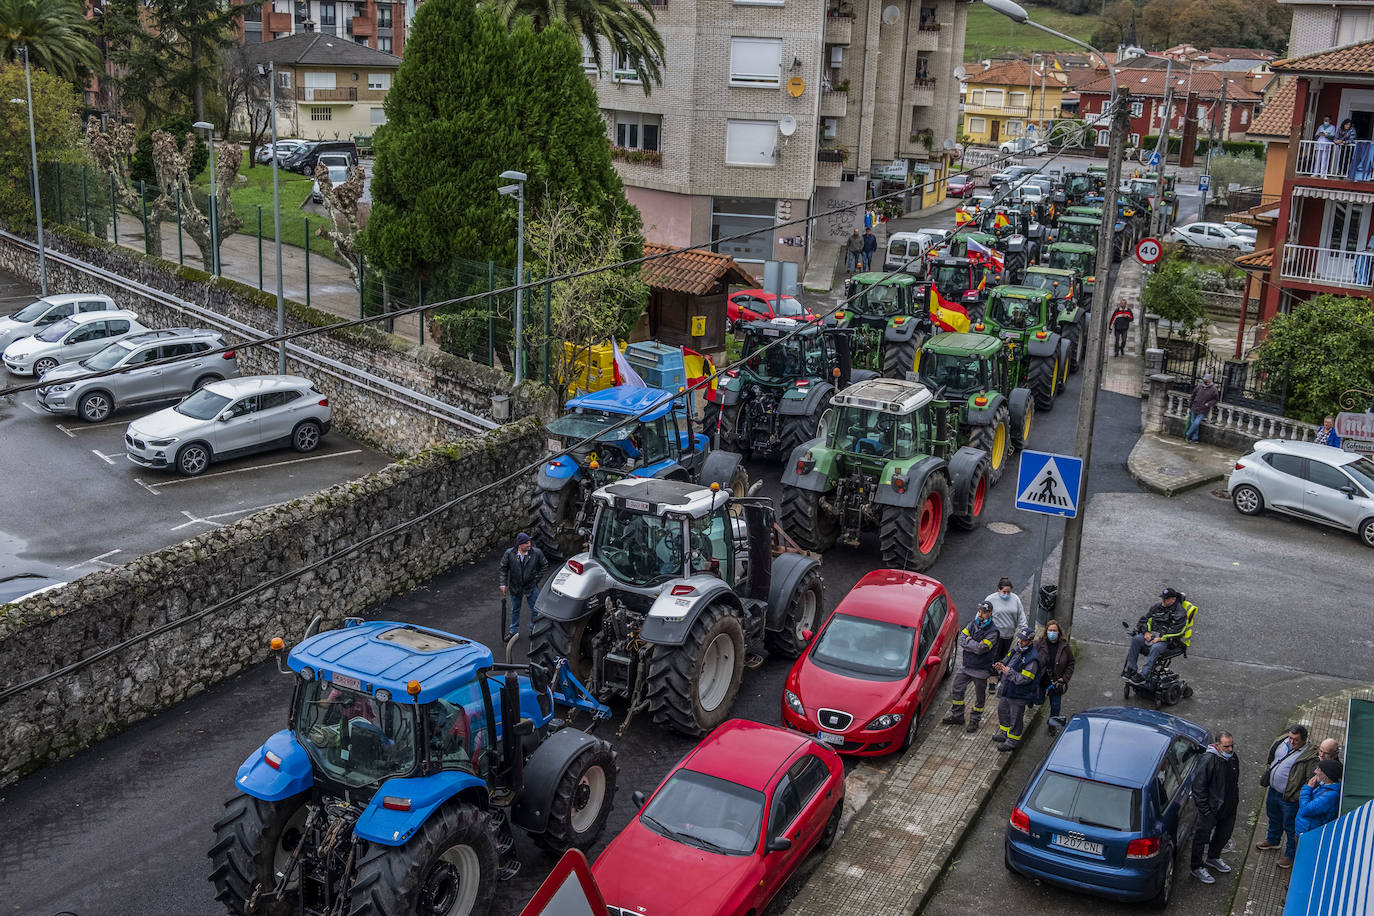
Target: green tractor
(1070, 313)
(972, 372)
(1081, 225)
(1080, 258)
(891, 318)
(1023, 318)
(1079, 186)
(889, 460)
(961, 281)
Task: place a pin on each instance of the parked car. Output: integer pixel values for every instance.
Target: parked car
(960, 185)
(41, 313)
(283, 150)
(1010, 174)
(758, 305)
(338, 174)
(1311, 481)
(303, 160)
(64, 390)
(69, 340)
(1210, 235)
(230, 418)
(728, 826)
(1029, 193)
(1025, 145)
(872, 670)
(1110, 810)
(1241, 229)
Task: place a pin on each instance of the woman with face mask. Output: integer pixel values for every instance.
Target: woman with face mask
(1056, 670)
(1007, 614)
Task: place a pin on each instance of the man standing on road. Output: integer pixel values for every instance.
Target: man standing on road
(1121, 323)
(522, 567)
(1165, 621)
(1020, 673)
(978, 641)
(854, 252)
(1216, 791)
(1292, 761)
(870, 246)
(1204, 396)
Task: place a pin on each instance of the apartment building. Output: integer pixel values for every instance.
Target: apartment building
(1319, 25)
(776, 109)
(374, 24)
(1002, 100)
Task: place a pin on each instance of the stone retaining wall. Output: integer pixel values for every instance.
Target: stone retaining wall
(101, 610)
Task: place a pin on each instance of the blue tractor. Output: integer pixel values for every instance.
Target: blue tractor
(407, 756)
(663, 443)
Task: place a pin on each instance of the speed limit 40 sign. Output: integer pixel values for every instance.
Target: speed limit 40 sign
(1148, 251)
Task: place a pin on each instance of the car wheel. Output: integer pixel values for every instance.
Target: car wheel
(1161, 900)
(306, 436)
(193, 459)
(43, 365)
(910, 734)
(1248, 500)
(205, 380)
(832, 825)
(1367, 532)
(95, 407)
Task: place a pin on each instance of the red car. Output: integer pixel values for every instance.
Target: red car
(757, 305)
(872, 671)
(727, 827)
(960, 185)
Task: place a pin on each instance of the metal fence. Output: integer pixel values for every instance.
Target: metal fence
(1242, 382)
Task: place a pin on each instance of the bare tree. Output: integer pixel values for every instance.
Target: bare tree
(247, 99)
(341, 203)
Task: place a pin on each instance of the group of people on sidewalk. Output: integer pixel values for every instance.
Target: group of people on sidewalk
(859, 251)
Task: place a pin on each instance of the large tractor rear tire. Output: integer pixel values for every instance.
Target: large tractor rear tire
(253, 842)
(550, 639)
(1077, 344)
(899, 357)
(996, 440)
(796, 430)
(553, 522)
(803, 517)
(582, 801)
(732, 437)
(911, 537)
(693, 686)
(1021, 422)
(804, 609)
(447, 869)
(1042, 378)
(1014, 267)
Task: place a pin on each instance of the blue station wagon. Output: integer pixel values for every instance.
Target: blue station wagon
(1110, 809)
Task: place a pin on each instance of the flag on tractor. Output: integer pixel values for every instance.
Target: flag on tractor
(624, 372)
(950, 316)
(697, 366)
(1000, 221)
(980, 252)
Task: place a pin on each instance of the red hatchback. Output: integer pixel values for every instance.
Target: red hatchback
(872, 671)
(757, 305)
(727, 827)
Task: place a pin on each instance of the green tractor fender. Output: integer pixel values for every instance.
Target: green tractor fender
(728, 392)
(901, 328)
(913, 473)
(1069, 315)
(967, 469)
(803, 401)
(810, 467)
(983, 416)
(1042, 346)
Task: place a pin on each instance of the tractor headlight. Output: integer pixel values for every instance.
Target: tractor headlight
(793, 702)
(307, 673)
(886, 720)
(383, 695)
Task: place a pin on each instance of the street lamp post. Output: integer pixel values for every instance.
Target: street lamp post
(517, 190)
(1097, 336)
(214, 216)
(33, 162)
(270, 72)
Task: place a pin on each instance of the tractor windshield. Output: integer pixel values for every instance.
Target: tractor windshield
(639, 549)
(997, 222)
(955, 373)
(1010, 311)
(952, 280)
(798, 356)
(612, 448)
(1070, 260)
(1079, 233)
(874, 434)
(1058, 287)
(885, 299)
(353, 738)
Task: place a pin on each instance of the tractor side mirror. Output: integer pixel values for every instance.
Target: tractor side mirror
(539, 678)
(639, 798)
(779, 844)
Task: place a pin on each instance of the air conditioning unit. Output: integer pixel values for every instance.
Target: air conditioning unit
(829, 127)
(836, 56)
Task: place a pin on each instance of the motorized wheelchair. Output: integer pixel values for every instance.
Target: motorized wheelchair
(1164, 685)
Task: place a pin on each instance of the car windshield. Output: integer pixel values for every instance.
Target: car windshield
(870, 648)
(637, 548)
(109, 357)
(706, 812)
(1010, 311)
(882, 299)
(1059, 287)
(1087, 802)
(202, 405)
(1363, 471)
(353, 738)
(956, 374)
(56, 332)
(32, 312)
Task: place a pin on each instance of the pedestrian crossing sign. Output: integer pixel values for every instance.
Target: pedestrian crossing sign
(1049, 483)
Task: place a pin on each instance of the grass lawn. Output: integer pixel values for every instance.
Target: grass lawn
(293, 189)
(990, 33)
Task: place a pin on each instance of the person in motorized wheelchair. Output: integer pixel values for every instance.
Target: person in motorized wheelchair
(1162, 634)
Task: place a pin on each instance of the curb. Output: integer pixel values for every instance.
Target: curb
(1167, 485)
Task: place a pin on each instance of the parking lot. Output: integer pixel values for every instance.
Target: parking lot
(73, 501)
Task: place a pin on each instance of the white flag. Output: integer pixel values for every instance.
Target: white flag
(629, 378)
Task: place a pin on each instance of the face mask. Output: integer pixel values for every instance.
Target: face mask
(984, 621)
(1228, 754)
(1052, 635)
(1005, 597)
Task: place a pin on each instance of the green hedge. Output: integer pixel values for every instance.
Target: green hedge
(1229, 147)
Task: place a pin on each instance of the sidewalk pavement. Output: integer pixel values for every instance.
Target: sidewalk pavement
(1263, 887)
(1170, 466)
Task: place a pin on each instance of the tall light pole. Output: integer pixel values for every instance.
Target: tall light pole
(517, 190)
(33, 162)
(271, 73)
(1092, 367)
(214, 216)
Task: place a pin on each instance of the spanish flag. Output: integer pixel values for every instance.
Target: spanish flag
(696, 366)
(1000, 221)
(948, 315)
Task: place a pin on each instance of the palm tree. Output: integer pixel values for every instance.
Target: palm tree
(627, 25)
(57, 34)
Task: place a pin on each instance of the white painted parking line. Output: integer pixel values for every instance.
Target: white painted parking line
(256, 467)
(146, 487)
(100, 560)
(210, 519)
(72, 431)
(34, 407)
(108, 459)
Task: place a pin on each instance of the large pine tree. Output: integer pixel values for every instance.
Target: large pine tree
(472, 99)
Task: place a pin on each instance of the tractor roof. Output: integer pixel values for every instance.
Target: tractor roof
(961, 343)
(874, 278)
(1072, 248)
(776, 327)
(383, 654)
(654, 496)
(1081, 218)
(1021, 292)
(626, 401)
(890, 395)
(1055, 271)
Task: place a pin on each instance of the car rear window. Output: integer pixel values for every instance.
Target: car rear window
(1087, 802)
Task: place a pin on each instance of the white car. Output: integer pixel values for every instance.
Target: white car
(1210, 235)
(69, 340)
(40, 313)
(338, 174)
(230, 418)
(284, 149)
(1315, 482)
(1241, 229)
(1030, 193)
(906, 251)
(1027, 145)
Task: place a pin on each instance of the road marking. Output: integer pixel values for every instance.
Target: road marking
(97, 560)
(36, 409)
(108, 459)
(256, 467)
(145, 486)
(70, 431)
(210, 519)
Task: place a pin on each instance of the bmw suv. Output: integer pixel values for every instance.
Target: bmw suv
(65, 391)
(1311, 481)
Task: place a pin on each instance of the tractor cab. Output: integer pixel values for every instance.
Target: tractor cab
(773, 357)
(959, 279)
(658, 436)
(881, 420)
(962, 365)
(1064, 285)
(1079, 258)
(878, 297)
(1015, 311)
(1078, 230)
(1002, 222)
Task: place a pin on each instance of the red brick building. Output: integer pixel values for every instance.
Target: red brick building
(1198, 95)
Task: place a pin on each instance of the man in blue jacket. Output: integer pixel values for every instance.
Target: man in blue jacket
(1016, 688)
(1320, 800)
(978, 641)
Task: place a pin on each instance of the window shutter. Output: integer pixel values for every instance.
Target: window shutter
(755, 61)
(750, 142)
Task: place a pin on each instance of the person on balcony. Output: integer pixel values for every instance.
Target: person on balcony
(1326, 138)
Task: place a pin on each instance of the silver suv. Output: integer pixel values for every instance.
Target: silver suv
(64, 390)
(1311, 481)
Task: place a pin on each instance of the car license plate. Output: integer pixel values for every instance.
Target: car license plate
(829, 738)
(343, 680)
(1077, 844)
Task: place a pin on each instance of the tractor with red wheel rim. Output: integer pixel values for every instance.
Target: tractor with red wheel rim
(888, 461)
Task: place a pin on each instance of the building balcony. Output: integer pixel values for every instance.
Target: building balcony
(923, 92)
(927, 38)
(838, 30)
(1326, 266)
(347, 94)
(364, 27)
(829, 174)
(274, 22)
(649, 157)
(1335, 161)
(834, 104)
(997, 111)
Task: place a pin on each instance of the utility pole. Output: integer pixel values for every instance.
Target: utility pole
(1156, 212)
(1220, 113)
(1092, 370)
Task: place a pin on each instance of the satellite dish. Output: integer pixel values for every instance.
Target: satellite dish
(787, 125)
(949, 143)
(960, 72)
(892, 15)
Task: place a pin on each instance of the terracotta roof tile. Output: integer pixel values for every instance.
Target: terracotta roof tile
(692, 272)
(1356, 58)
(1256, 260)
(1011, 73)
(1206, 84)
(1276, 117)
(1242, 53)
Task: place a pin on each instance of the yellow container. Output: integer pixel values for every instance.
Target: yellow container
(588, 369)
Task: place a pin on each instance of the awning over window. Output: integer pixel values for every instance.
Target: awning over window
(1333, 873)
(1355, 197)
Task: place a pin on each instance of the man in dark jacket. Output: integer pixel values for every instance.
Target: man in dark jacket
(1216, 792)
(978, 642)
(522, 568)
(1204, 396)
(1019, 674)
(1121, 323)
(870, 246)
(1164, 622)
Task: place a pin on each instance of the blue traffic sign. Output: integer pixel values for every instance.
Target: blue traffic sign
(1203, 182)
(1154, 158)
(1049, 483)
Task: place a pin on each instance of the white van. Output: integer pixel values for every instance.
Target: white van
(905, 249)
